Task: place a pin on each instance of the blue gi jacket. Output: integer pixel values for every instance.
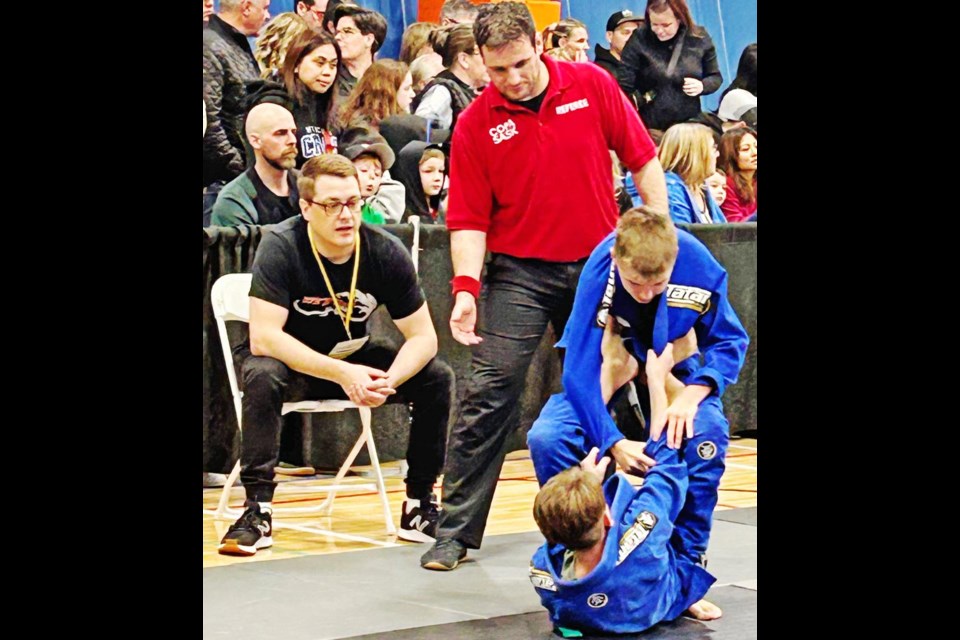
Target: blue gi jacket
(696, 297)
(640, 580)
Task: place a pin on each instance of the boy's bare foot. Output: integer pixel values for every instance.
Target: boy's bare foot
(703, 610)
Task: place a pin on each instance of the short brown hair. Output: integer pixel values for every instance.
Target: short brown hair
(367, 21)
(499, 24)
(646, 241)
(569, 509)
(327, 164)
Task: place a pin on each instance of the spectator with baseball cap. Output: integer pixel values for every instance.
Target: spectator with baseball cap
(620, 26)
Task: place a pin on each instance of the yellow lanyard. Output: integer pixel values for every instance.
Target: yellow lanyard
(344, 317)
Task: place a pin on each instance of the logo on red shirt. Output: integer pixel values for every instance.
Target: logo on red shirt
(503, 131)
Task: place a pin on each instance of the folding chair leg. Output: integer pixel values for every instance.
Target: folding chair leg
(365, 415)
(327, 506)
(222, 509)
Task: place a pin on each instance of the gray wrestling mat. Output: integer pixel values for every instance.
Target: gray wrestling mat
(385, 592)
(741, 516)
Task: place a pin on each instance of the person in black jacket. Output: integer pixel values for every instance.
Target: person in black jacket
(668, 64)
(228, 64)
(620, 26)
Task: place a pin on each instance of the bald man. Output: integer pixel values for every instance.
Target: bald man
(266, 193)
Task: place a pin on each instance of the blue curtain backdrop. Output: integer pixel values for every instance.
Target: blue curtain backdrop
(732, 24)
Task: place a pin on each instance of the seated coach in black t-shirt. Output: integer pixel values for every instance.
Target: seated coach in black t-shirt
(317, 278)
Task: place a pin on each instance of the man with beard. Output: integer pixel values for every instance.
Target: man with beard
(266, 193)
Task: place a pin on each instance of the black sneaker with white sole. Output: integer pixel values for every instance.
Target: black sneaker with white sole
(254, 530)
(418, 522)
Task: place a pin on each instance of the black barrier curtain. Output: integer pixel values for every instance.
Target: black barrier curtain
(231, 250)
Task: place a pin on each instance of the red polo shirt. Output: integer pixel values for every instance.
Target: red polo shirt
(541, 184)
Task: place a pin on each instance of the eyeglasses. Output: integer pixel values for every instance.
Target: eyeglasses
(319, 14)
(336, 208)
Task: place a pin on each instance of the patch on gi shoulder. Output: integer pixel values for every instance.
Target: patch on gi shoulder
(687, 297)
(597, 600)
(604, 309)
(542, 579)
(706, 450)
(636, 534)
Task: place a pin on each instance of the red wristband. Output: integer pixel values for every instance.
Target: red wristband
(466, 283)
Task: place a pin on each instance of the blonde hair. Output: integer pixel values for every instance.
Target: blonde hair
(646, 241)
(562, 53)
(562, 29)
(431, 153)
(686, 149)
(274, 41)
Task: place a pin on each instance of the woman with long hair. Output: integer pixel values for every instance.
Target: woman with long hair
(453, 89)
(567, 40)
(688, 155)
(309, 73)
(668, 63)
(746, 72)
(274, 40)
(385, 89)
(738, 158)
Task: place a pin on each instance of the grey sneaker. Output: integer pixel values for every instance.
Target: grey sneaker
(445, 555)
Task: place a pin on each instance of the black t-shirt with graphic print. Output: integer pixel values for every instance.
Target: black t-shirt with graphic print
(286, 274)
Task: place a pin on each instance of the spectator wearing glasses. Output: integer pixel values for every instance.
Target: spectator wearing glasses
(313, 12)
(453, 89)
(310, 301)
(360, 34)
(458, 12)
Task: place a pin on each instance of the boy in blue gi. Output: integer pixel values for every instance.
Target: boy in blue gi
(652, 284)
(614, 560)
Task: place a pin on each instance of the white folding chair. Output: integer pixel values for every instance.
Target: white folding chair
(231, 302)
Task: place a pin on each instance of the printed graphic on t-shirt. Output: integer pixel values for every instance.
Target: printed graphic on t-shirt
(363, 305)
(316, 141)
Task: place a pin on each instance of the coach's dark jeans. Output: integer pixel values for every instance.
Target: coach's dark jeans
(519, 297)
(267, 383)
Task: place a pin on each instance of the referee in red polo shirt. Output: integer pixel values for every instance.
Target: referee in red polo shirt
(531, 180)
